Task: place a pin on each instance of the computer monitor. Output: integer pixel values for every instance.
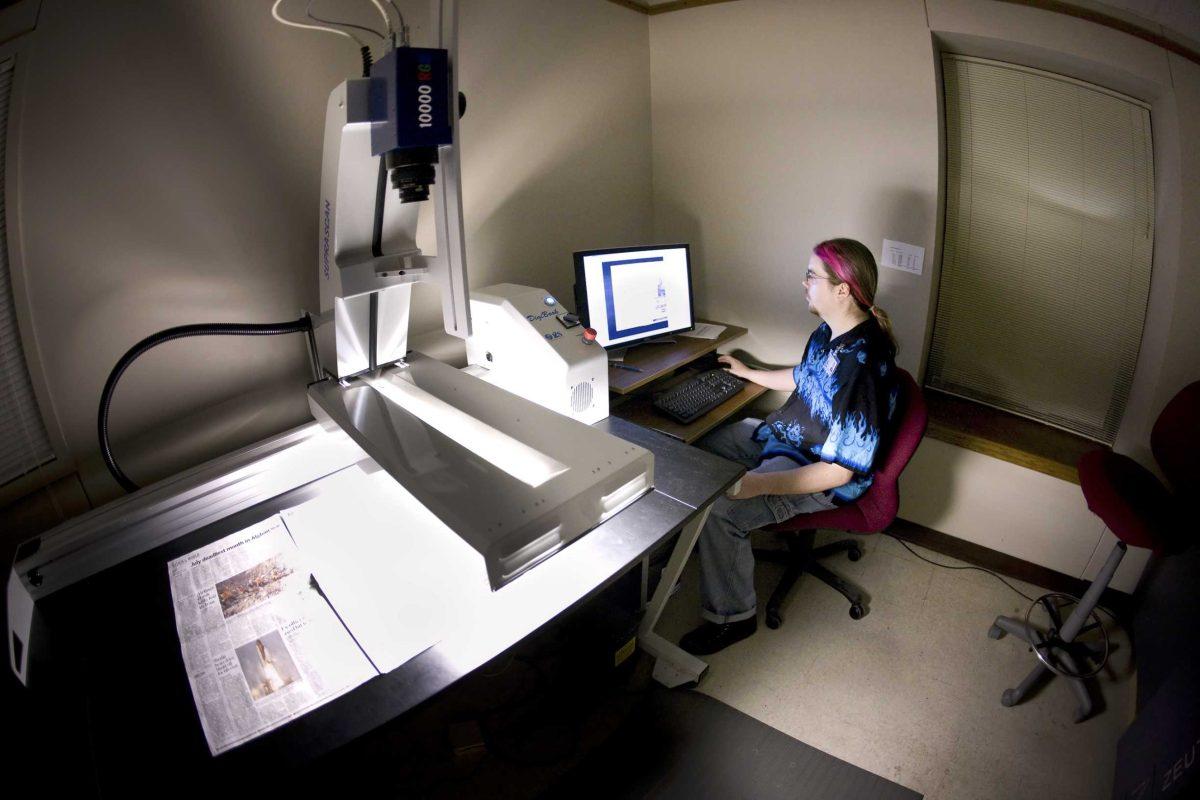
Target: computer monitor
(630, 294)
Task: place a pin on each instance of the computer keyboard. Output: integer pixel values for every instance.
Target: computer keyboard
(698, 395)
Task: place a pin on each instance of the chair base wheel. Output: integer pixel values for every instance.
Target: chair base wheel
(1008, 699)
(855, 554)
(774, 620)
(995, 632)
(857, 611)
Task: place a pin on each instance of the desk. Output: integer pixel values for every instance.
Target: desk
(108, 657)
(663, 366)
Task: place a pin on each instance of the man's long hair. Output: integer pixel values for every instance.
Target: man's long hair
(851, 263)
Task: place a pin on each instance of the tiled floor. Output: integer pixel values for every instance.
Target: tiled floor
(912, 691)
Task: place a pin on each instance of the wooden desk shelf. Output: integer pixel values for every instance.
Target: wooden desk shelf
(663, 366)
(657, 360)
(640, 410)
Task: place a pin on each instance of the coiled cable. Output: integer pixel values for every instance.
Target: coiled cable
(302, 325)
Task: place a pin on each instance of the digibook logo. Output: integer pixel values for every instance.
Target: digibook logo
(541, 316)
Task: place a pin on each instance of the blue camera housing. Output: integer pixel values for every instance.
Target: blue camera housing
(410, 97)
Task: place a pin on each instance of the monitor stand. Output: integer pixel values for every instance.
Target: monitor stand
(618, 353)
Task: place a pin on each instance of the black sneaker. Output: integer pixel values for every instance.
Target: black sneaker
(710, 637)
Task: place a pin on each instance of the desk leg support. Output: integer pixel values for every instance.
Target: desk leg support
(672, 666)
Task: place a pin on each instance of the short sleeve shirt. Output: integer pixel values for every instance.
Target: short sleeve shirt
(842, 408)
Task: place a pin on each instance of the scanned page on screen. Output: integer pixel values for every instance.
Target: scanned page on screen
(399, 578)
(260, 645)
(643, 298)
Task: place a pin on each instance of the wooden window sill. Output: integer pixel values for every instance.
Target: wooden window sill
(1005, 436)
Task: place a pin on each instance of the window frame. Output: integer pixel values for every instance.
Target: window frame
(17, 24)
(1139, 71)
(942, 56)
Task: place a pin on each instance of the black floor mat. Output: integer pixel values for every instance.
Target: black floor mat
(686, 745)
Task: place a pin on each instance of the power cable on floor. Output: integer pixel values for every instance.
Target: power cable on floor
(904, 544)
(1111, 614)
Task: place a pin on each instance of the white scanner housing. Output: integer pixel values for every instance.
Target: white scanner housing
(520, 344)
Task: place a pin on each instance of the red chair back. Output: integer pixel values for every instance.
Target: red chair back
(882, 500)
(1130, 500)
(877, 507)
(1175, 440)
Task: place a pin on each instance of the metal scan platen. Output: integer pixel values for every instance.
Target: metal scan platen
(516, 480)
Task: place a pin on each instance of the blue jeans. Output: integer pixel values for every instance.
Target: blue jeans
(726, 560)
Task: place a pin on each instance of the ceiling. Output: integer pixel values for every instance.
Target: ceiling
(1175, 16)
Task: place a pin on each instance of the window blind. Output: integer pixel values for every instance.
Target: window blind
(24, 445)
(1048, 244)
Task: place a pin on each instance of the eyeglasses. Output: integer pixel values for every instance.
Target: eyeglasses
(809, 275)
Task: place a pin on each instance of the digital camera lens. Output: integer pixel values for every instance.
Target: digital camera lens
(412, 172)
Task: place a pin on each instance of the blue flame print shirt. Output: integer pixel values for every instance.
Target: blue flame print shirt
(845, 399)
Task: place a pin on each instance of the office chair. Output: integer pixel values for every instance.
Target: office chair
(1140, 512)
(873, 512)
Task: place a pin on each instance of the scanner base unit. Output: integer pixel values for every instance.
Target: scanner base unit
(520, 343)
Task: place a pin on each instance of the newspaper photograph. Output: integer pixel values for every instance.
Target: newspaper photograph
(260, 644)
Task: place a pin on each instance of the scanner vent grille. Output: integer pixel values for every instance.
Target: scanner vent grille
(581, 397)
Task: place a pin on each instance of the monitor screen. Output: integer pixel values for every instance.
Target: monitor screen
(629, 294)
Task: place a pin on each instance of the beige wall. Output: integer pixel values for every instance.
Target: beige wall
(777, 123)
(169, 174)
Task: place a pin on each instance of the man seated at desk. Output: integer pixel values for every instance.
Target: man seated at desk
(814, 453)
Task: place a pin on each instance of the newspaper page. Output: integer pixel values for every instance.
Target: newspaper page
(260, 644)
